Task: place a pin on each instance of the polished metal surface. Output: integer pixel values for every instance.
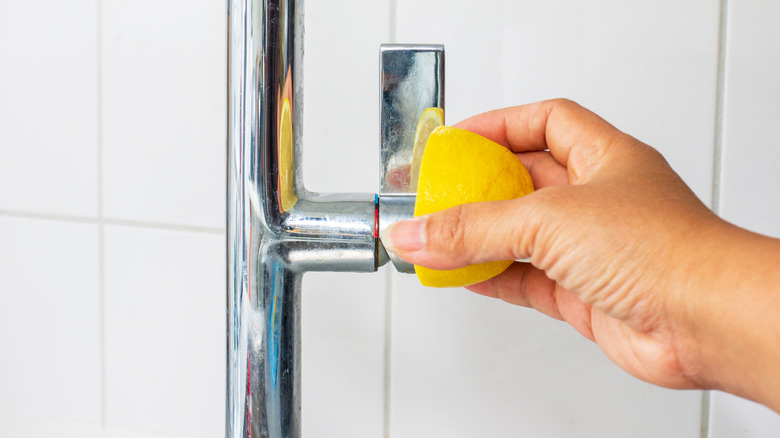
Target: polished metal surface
(412, 80)
(276, 230)
(393, 208)
(263, 339)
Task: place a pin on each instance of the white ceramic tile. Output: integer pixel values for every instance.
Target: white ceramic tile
(164, 111)
(734, 417)
(343, 317)
(750, 154)
(165, 331)
(465, 366)
(647, 67)
(70, 429)
(48, 101)
(341, 94)
(49, 326)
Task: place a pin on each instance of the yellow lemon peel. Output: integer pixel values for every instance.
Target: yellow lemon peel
(460, 167)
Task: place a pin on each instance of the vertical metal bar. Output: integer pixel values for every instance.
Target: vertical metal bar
(263, 341)
(276, 230)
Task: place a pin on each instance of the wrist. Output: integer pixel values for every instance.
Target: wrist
(731, 312)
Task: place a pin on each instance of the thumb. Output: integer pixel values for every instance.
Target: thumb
(464, 235)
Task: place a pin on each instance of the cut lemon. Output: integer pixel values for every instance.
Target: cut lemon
(459, 167)
(431, 119)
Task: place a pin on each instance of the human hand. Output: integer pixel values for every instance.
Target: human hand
(619, 246)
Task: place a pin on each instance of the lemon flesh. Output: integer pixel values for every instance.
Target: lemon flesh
(431, 119)
(459, 167)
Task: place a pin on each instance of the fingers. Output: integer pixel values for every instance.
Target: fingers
(524, 285)
(463, 235)
(575, 136)
(543, 168)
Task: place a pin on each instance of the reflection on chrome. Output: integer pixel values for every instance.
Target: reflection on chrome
(276, 229)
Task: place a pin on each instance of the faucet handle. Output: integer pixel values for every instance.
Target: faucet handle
(412, 79)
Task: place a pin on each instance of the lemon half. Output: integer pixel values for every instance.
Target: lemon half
(459, 167)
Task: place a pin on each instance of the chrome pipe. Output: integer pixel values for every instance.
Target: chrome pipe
(276, 229)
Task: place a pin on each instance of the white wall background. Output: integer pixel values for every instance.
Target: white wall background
(112, 180)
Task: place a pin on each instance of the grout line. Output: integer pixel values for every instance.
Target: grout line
(705, 414)
(101, 227)
(388, 350)
(109, 221)
(393, 21)
(99, 105)
(717, 163)
(164, 226)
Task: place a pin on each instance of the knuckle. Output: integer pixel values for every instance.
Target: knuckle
(545, 210)
(546, 200)
(564, 103)
(450, 231)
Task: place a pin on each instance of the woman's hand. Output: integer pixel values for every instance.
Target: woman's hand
(619, 247)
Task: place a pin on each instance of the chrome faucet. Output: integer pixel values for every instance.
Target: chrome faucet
(276, 229)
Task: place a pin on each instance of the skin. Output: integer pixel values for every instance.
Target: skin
(621, 249)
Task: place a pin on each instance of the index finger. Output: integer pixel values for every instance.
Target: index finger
(560, 125)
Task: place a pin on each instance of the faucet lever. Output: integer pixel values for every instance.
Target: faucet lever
(412, 79)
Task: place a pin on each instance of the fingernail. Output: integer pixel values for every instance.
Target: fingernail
(404, 236)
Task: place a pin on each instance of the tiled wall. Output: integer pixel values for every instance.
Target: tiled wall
(112, 178)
